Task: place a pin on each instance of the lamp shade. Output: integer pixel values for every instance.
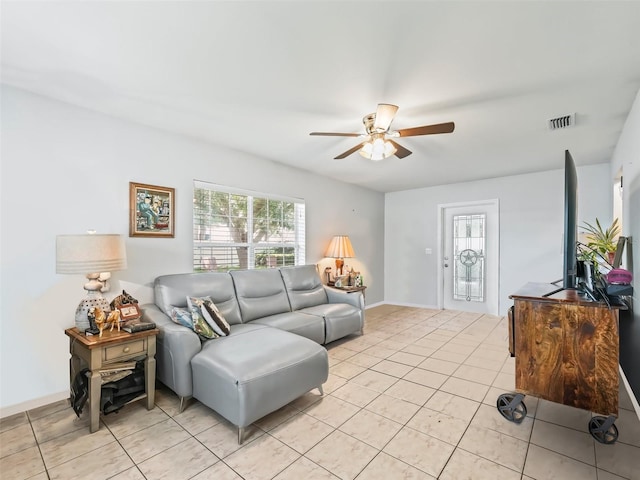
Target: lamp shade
(340, 247)
(90, 253)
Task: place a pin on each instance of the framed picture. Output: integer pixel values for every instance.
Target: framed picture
(130, 311)
(151, 211)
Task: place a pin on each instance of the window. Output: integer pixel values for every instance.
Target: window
(235, 229)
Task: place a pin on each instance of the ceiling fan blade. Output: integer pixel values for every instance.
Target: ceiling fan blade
(401, 152)
(349, 152)
(384, 116)
(332, 134)
(427, 130)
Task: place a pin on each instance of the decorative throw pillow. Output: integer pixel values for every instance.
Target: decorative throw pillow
(211, 314)
(200, 325)
(182, 316)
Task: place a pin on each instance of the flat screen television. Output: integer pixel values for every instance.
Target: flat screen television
(569, 278)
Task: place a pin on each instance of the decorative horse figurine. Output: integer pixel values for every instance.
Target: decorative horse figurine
(102, 320)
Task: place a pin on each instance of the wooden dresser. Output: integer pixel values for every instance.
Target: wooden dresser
(566, 348)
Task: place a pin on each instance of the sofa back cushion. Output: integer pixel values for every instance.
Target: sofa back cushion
(304, 286)
(260, 293)
(172, 291)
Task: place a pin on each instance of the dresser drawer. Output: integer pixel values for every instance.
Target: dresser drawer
(124, 350)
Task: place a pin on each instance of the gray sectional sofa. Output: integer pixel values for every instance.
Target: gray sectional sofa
(278, 318)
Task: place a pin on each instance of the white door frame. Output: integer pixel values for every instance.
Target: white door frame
(492, 263)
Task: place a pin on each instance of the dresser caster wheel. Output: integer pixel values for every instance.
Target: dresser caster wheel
(512, 407)
(603, 429)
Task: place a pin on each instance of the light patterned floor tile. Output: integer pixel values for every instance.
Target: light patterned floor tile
(465, 388)
(72, 445)
(59, 423)
(542, 463)
(619, 458)
(453, 405)
(132, 473)
(422, 451)
(23, 464)
(426, 378)
(371, 428)
(393, 408)
(364, 360)
(410, 392)
(347, 370)
(439, 425)
(133, 418)
(490, 417)
(407, 358)
(46, 410)
(564, 415)
(302, 432)
(495, 446)
(180, 462)
(475, 374)
(197, 418)
(157, 438)
(262, 459)
(13, 421)
(222, 439)
(111, 461)
(386, 467)
(276, 418)
(217, 471)
(16, 439)
(467, 466)
(332, 411)
(392, 368)
(303, 468)
(439, 366)
(563, 440)
(374, 380)
(355, 394)
(342, 455)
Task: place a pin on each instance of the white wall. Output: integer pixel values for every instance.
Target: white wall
(66, 170)
(531, 226)
(627, 157)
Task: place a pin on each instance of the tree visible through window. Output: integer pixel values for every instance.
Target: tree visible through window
(233, 229)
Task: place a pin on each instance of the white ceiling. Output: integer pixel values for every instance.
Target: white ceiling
(259, 76)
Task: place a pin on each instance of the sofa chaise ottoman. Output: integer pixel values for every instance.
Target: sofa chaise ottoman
(279, 319)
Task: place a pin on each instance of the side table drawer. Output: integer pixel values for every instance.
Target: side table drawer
(124, 350)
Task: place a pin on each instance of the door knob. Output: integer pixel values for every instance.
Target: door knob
(446, 264)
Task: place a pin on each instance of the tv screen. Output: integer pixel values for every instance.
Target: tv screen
(570, 221)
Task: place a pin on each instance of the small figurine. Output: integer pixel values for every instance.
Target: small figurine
(114, 320)
(100, 318)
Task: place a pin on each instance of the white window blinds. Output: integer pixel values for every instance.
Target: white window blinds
(235, 229)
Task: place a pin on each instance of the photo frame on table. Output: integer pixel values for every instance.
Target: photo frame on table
(151, 211)
(129, 311)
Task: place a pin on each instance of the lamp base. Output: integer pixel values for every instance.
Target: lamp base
(92, 300)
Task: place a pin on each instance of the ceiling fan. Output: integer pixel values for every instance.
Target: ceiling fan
(377, 145)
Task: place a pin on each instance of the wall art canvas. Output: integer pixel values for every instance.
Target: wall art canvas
(151, 211)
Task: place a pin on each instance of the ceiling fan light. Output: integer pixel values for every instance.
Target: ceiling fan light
(378, 149)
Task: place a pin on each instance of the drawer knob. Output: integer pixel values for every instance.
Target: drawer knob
(126, 349)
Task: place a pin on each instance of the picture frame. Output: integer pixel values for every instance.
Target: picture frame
(130, 311)
(151, 211)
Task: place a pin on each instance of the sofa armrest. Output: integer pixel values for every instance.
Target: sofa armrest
(352, 298)
(176, 346)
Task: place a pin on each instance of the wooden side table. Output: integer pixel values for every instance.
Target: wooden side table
(350, 289)
(96, 353)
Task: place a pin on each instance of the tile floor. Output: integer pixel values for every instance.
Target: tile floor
(413, 398)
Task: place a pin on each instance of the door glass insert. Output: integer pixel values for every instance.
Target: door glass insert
(469, 237)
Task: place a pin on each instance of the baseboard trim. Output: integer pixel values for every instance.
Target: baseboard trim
(31, 404)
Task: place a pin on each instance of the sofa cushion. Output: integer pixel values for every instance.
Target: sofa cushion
(340, 319)
(172, 291)
(310, 326)
(260, 293)
(304, 286)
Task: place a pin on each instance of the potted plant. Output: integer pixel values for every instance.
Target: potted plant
(602, 240)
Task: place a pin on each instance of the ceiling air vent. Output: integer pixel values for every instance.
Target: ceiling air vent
(565, 121)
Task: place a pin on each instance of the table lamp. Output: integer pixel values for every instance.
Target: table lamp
(91, 255)
(340, 248)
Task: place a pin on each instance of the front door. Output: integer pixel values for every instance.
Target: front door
(469, 262)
